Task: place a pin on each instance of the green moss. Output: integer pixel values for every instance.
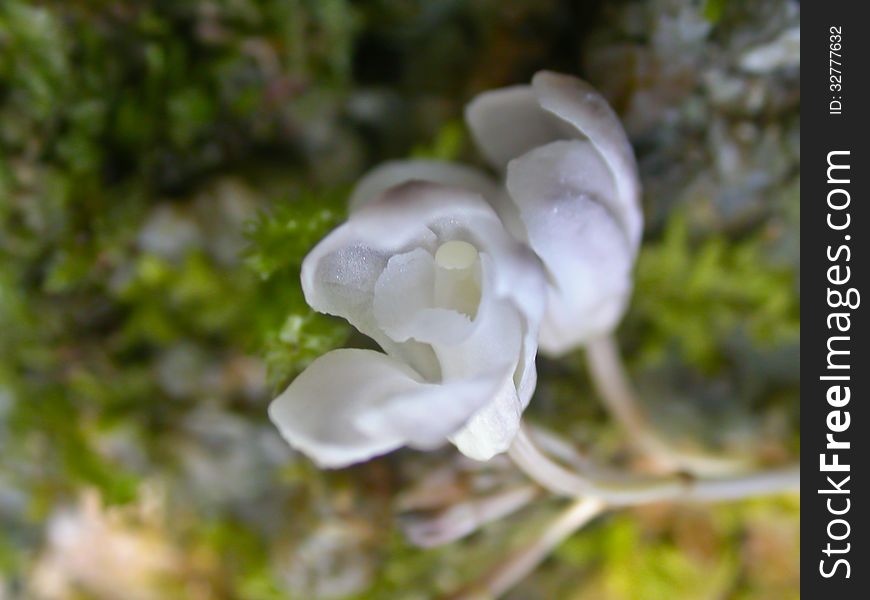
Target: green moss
(114, 354)
(293, 334)
(698, 294)
(713, 10)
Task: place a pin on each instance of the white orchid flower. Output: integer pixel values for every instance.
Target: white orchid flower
(445, 283)
(430, 274)
(570, 191)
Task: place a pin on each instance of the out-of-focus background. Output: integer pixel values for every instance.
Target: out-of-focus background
(166, 164)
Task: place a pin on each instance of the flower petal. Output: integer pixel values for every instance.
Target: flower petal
(515, 270)
(427, 417)
(481, 362)
(508, 122)
(403, 213)
(583, 248)
(493, 350)
(380, 179)
(513, 273)
(393, 173)
(579, 104)
(496, 345)
(351, 405)
(404, 302)
(492, 429)
(339, 277)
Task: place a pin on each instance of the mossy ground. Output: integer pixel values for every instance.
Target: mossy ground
(164, 167)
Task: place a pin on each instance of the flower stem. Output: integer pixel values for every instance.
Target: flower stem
(522, 562)
(609, 378)
(633, 490)
(461, 519)
(693, 477)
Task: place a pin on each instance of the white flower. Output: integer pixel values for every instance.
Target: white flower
(571, 192)
(434, 265)
(430, 274)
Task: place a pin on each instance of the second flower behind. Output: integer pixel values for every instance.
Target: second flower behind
(459, 277)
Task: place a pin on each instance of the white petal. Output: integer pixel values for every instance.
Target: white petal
(427, 417)
(515, 275)
(492, 429)
(404, 288)
(404, 302)
(508, 122)
(390, 174)
(483, 362)
(399, 219)
(493, 346)
(317, 413)
(351, 405)
(448, 213)
(339, 277)
(516, 271)
(393, 173)
(493, 350)
(578, 103)
(498, 347)
(583, 248)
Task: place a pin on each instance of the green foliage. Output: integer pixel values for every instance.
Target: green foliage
(107, 111)
(447, 145)
(115, 351)
(695, 295)
(145, 99)
(294, 333)
(686, 553)
(658, 569)
(713, 10)
(243, 556)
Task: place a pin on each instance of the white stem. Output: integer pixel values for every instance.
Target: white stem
(522, 562)
(593, 493)
(464, 518)
(628, 491)
(574, 483)
(612, 383)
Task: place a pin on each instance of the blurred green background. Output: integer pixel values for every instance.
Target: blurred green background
(166, 164)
